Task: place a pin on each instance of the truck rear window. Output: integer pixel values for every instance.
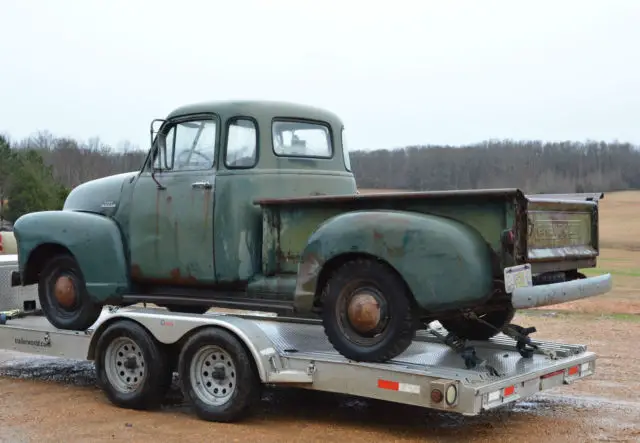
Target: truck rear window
(301, 139)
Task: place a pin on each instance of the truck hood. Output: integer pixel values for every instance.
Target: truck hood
(101, 196)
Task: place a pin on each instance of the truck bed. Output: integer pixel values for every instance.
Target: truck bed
(301, 356)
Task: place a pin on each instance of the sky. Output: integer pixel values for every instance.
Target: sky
(398, 73)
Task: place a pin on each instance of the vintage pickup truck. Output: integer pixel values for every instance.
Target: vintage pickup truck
(253, 205)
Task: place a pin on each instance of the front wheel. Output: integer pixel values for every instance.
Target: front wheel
(367, 311)
(218, 376)
(63, 295)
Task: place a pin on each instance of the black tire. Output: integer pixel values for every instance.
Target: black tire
(147, 359)
(466, 329)
(395, 328)
(232, 374)
(188, 309)
(72, 308)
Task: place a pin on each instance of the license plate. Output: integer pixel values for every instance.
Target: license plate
(517, 277)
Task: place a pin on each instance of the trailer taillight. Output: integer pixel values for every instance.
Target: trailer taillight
(451, 395)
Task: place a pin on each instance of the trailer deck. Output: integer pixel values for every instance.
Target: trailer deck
(296, 353)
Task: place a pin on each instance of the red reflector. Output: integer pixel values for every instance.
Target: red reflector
(552, 374)
(509, 391)
(574, 370)
(386, 384)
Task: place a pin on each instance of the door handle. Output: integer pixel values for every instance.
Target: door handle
(201, 185)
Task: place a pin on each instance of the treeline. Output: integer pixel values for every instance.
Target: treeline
(37, 172)
(533, 166)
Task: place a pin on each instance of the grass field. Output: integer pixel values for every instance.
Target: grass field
(620, 256)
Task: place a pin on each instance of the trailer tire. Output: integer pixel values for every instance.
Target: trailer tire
(367, 312)
(63, 295)
(132, 367)
(218, 376)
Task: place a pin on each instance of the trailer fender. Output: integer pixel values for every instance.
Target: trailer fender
(94, 240)
(174, 328)
(445, 263)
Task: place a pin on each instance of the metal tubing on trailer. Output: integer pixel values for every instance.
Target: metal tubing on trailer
(224, 359)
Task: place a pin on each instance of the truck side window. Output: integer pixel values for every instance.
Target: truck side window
(188, 145)
(345, 151)
(301, 139)
(242, 142)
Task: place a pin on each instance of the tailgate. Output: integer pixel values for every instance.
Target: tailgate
(559, 230)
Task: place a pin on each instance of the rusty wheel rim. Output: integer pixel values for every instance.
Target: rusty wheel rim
(64, 292)
(362, 314)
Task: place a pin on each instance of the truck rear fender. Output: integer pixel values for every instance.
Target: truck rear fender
(445, 263)
(94, 240)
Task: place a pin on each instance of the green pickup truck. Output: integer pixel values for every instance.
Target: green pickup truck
(253, 205)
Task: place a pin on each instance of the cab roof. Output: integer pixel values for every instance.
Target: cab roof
(258, 109)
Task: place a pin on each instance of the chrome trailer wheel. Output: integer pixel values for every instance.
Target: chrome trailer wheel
(218, 376)
(131, 366)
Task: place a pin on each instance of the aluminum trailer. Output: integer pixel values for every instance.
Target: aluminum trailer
(224, 359)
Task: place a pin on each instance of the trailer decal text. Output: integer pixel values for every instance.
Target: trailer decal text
(40, 343)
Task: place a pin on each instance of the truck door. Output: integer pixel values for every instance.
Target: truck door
(171, 223)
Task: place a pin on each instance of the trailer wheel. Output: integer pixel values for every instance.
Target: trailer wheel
(367, 311)
(131, 366)
(63, 295)
(218, 376)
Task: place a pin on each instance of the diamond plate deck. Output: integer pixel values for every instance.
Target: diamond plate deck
(304, 341)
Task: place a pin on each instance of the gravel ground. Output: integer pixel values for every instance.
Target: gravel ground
(45, 399)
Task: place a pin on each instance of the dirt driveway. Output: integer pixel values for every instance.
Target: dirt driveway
(55, 400)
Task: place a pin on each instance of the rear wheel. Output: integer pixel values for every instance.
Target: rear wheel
(131, 366)
(473, 330)
(367, 311)
(63, 295)
(498, 312)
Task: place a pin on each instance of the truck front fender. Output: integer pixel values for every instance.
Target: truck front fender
(94, 240)
(445, 263)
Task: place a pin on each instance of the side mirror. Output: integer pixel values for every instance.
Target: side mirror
(155, 126)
